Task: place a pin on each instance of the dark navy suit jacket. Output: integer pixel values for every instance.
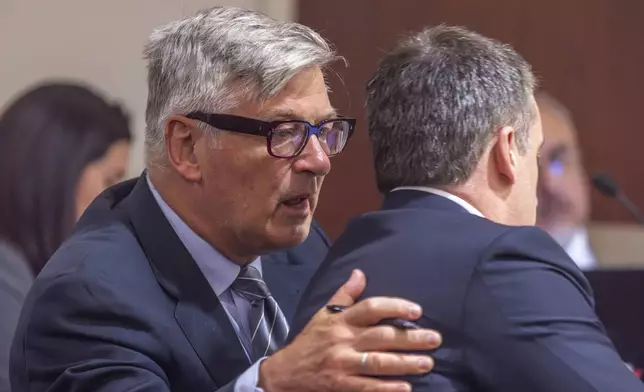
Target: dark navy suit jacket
(515, 312)
(123, 307)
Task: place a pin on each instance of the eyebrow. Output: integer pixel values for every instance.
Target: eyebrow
(557, 152)
(289, 114)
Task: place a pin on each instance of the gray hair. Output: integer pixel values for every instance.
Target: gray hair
(220, 56)
(436, 101)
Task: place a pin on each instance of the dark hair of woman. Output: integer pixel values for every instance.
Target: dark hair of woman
(48, 137)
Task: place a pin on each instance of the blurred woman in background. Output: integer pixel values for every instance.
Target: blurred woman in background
(60, 146)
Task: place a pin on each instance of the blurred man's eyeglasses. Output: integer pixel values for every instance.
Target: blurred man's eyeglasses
(556, 168)
(557, 159)
(286, 139)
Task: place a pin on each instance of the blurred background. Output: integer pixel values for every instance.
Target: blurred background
(586, 53)
(96, 42)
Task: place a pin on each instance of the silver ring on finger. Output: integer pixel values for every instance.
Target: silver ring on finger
(363, 363)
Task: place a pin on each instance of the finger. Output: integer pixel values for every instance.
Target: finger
(371, 310)
(368, 384)
(350, 290)
(388, 338)
(390, 364)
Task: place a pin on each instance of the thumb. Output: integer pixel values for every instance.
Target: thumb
(350, 290)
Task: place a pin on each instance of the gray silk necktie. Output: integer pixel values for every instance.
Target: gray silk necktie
(268, 325)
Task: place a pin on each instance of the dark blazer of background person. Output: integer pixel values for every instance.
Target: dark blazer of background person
(61, 146)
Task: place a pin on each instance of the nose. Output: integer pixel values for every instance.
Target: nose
(313, 158)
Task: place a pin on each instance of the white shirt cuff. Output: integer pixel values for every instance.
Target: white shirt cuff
(248, 380)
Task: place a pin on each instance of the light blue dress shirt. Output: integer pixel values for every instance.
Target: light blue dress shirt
(220, 274)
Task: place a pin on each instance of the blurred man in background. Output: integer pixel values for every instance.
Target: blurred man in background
(564, 202)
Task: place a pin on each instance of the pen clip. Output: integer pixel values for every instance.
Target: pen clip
(336, 308)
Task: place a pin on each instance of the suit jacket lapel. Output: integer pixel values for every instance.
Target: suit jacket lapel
(286, 281)
(201, 316)
(287, 273)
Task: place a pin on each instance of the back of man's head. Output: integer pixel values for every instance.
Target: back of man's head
(436, 101)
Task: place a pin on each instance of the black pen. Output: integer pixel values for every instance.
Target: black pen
(394, 322)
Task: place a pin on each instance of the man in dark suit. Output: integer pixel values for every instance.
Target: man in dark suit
(456, 134)
(163, 286)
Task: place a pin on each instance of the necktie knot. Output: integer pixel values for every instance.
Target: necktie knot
(250, 285)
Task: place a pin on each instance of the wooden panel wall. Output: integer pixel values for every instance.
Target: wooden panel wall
(588, 53)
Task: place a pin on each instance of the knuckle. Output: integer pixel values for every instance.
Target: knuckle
(386, 333)
(335, 383)
(416, 337)
(372, 305)
(341, 334)
(419, 339)
(376, 364)
(333, 359)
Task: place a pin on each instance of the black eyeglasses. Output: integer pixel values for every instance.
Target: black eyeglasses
(286, 139)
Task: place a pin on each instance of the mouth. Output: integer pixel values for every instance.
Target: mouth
(299, 205)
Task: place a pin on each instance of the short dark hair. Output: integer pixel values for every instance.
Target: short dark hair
(435, 102)
(47, 138)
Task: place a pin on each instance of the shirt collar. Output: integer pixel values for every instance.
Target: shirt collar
(218, 270)
(578, 248)
(468, 207)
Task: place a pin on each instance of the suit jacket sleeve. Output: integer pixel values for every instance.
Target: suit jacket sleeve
(529, 312)
(82, 335)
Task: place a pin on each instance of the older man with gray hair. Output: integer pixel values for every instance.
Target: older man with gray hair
(456, 134)
(162, 286)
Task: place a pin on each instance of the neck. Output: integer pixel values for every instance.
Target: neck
(183, 198)
(490, 202)
(482, 202)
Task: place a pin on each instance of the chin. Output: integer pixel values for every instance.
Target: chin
(290, 236)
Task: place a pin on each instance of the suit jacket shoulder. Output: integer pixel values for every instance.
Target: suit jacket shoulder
(122, 306)
(402, 245)
(515, 312)
(535, 245)
(529, 311)
(88, 291)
